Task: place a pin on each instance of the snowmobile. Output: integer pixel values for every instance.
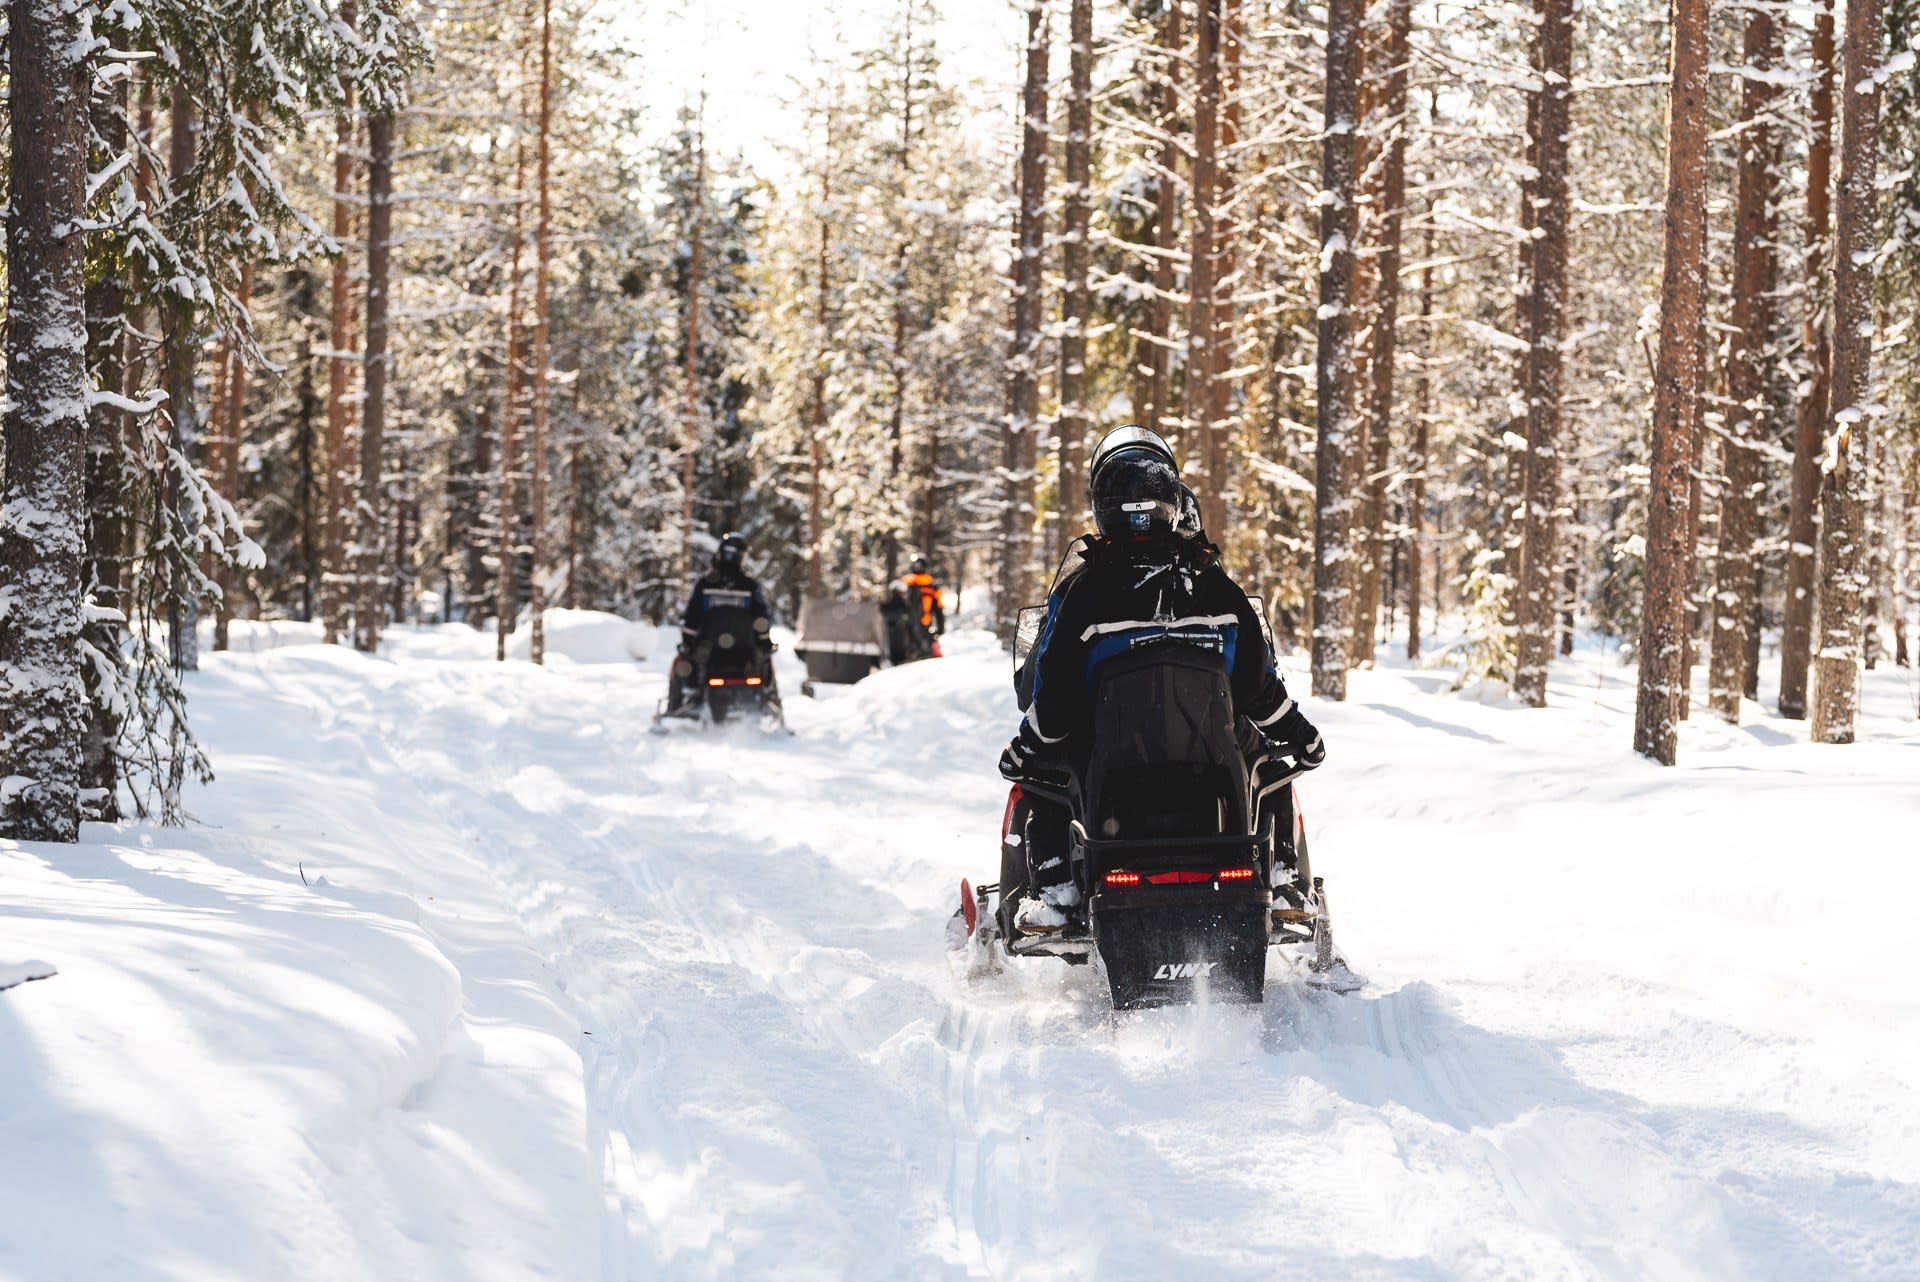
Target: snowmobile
(1187, 856)
(727, 673)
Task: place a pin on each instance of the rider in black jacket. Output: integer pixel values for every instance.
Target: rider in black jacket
(726, 583)
(1149, 573)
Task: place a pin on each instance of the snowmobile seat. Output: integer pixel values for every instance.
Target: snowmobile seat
(1168, 762)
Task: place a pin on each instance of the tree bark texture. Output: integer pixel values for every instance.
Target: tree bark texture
(1753, 283)
(542, 250)
(1334, 378)
(1664, 618)
(1078, 197)
(337, 576)
(1845, 483)
(1546, 336)
(1803, 503)
(1387, 218)
(371, 605)
(43, 703)
(1023, 384)
(1201, 437)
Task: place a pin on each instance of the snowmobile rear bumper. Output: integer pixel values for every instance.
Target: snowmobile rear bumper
(1181, 919)
(1183, 944)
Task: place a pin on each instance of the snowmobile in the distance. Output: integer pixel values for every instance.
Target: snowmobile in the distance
(1188, 859)
(727, 673)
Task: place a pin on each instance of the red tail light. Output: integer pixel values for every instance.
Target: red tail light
(1120, 879)
(753, 681)
(1006, 819)
(1178, 878)
(716, 681)
(1236, 874)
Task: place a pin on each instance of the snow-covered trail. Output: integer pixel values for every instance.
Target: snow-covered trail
(1622, 1022)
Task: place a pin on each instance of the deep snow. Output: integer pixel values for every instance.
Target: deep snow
(465, 975)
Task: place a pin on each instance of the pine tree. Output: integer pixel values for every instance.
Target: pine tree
(1546, 339)
(1846, 481)
(1677, 392)
(1753, 286)
(43, 708)
(1337, 393)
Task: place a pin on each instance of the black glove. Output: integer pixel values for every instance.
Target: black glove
(1020, 752)
(1299, 737)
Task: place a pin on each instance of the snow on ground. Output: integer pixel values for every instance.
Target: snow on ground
(466, 975)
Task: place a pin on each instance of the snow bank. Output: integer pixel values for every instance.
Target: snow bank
(589, 636)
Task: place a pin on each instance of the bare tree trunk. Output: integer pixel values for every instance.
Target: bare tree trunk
(1201, 439)
(336, 577)
(1335, 384)
(1677, 384)
(1731, 614)
(506, 589)
(1417, 464)
(111, 487)
(898, 513)
(690, 443)
(542, 252)
(1023, 392)
(1546, 316)
(817, 408)
(1846, 484)
(1154, 346)
(43, 703)
(232, 433)
(371, 609)
(1386, 313)
(1079, 211)
(183, 602)
(1796, 633)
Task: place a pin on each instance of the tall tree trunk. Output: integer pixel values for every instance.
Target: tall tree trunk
(110, 491)
(690, 441)
(506, 587)
(43, 704)
(1417, 463)
(1335, 384)
(1664, 618)
(1201, 435)
(181, 347)
(542, 251)
(817, 406)
(1023, 384)
(232, 432)
(1155, 345)
(1220, 346)
(1753, 282)
(1546, 336)
(1846, 482)
(1386, 313)
(373, 416)
(1796, 632)
(1074, 420)
(337, 577)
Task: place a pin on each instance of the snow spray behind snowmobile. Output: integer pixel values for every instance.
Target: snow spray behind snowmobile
(1186, 854)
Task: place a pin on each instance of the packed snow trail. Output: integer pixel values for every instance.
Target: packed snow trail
(1622, 1022)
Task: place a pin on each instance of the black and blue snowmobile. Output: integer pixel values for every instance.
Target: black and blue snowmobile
(724, 667)
(1152, 826)
(1188, 861)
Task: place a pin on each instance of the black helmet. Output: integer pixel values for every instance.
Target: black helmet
(917, 566)
(1133, 485)
(731, 552)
